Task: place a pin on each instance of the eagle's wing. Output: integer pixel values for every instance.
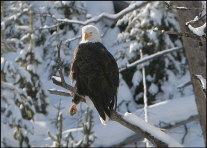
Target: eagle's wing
(111, 73)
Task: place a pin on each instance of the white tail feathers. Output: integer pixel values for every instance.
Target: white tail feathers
(91, 105)
(105, 122)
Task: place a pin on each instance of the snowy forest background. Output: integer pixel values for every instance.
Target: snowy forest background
(31, 116)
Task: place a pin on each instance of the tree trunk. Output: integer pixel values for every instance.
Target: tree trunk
(196, 56)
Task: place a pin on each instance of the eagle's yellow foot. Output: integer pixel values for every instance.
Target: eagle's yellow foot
(73, 110)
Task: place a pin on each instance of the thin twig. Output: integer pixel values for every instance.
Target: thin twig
(182, 34)
(196, 20)
(145, 96)
(51, 136)
(170, 126)
(186, 132)
(182, 86)
(181, 8)
(59, 62)
(60, 93)
(62, 83)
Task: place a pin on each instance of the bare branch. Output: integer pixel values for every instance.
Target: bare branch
(51, 136)
(181, 34)
(107, 16)
(181, 8)
(182, 86)
(148, 58)
(186, 132)
(60, 93)
(180, 123)
(72, 39)
(62, 83)
(196, 19)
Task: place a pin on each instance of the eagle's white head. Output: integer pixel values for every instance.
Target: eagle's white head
(90, 33)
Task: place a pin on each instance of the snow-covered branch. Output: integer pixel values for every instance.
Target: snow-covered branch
(199, 31)
(135, 137)
(145, 96)
(202, 81)
(184, 113)
(107, 16)
(148, 58)
(138, 125)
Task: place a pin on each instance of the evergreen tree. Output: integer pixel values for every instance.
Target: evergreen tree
(30, 59)
(17, 107)
(137, 33)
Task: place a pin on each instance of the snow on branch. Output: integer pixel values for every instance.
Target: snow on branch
(199, 31)
(196, 19)
(145, 95)
(135, 137)
(107, 16)
(138, 125)
(157, 54)
(202, 81)
(184, 113)
(131, 121)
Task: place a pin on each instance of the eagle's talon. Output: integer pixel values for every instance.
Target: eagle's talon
(73, 110)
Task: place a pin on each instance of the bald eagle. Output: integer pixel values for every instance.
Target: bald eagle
(96, 74)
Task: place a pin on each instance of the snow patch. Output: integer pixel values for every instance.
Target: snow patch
(199, 30)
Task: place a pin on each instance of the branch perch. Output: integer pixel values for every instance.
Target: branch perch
(62, 82)
(140, 127)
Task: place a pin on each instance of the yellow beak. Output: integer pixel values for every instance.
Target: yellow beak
(87, 36)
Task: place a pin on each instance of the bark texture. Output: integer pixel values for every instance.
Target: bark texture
(196, 56)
